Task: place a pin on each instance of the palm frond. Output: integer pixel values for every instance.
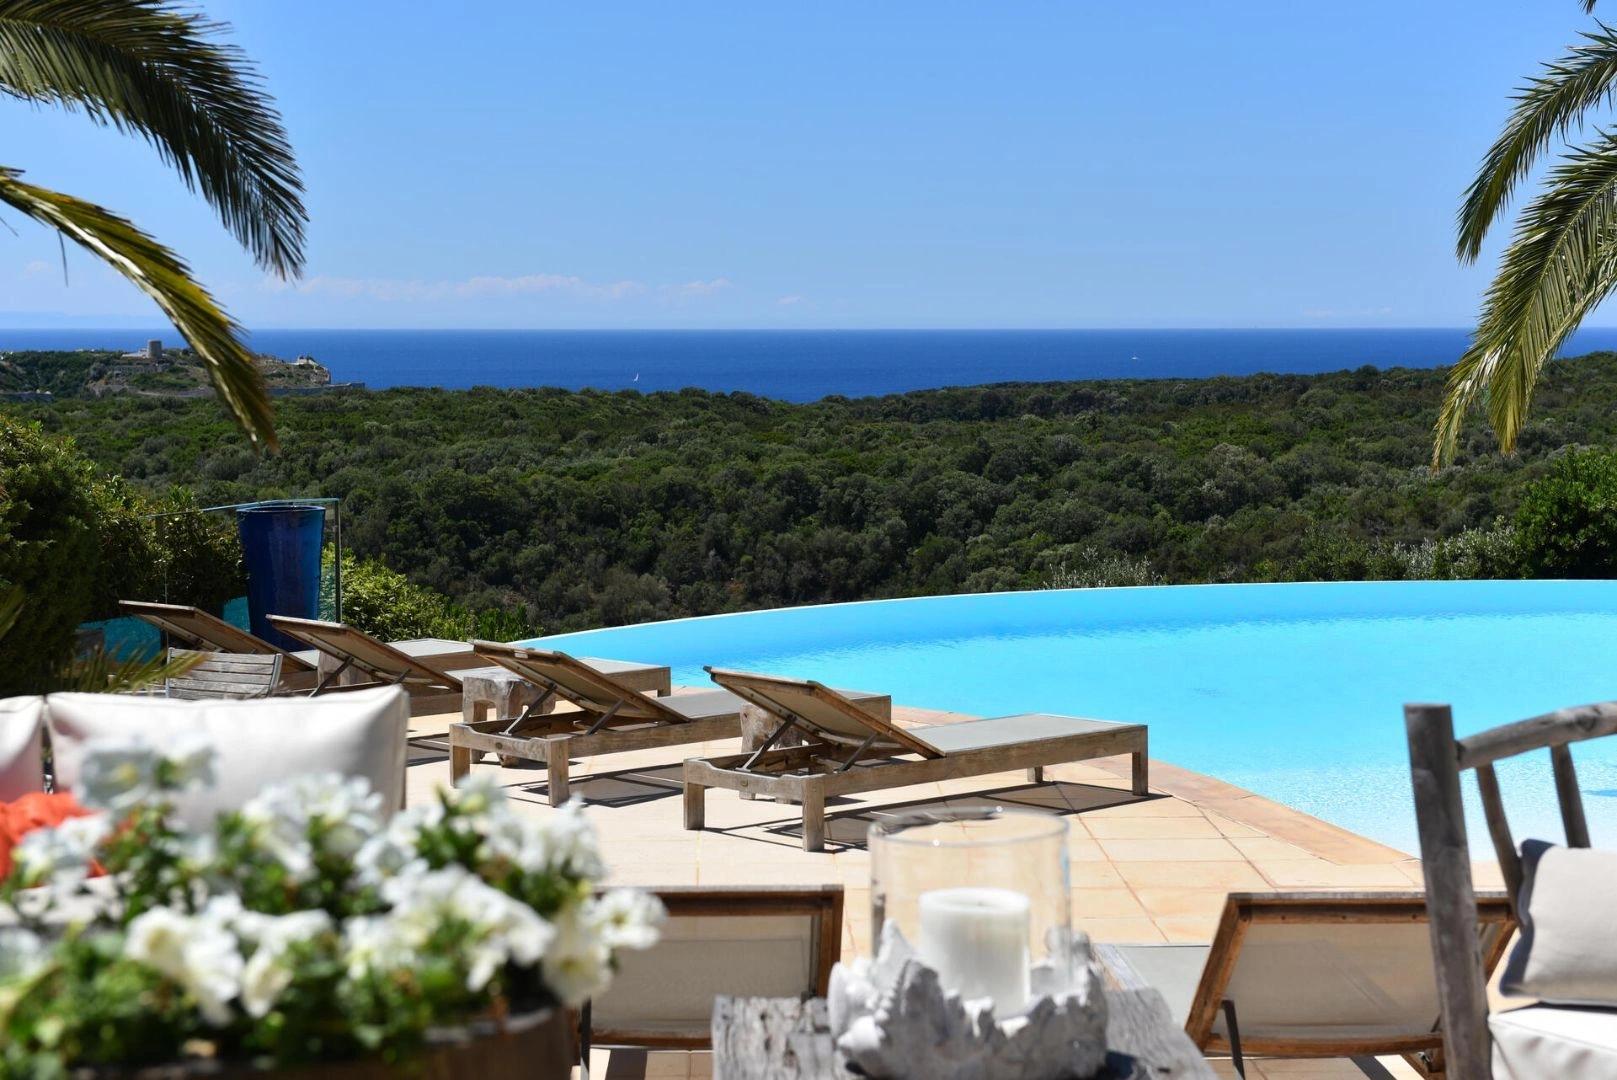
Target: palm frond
(1561, 262)
(1548, 107)
(160, 274)
(148, 67)
(101, 673)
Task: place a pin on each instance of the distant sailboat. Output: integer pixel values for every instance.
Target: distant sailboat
(636, 377)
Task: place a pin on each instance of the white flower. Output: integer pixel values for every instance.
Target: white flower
(197, 952)
(578, 965)
(627, 919)
(375, 944)
(117, 773)
(341, 812)
(59, 856)
(570, 843)
(503, 929)
(266, 974)
(390, 853)
(22, 952)
(480, 794)
(187, 761)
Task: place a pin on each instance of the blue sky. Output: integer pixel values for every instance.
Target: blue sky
(836, 165)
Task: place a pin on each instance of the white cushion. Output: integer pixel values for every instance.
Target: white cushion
(356, 733)
(22, 762)
(1543, 1041)
(1567, 952)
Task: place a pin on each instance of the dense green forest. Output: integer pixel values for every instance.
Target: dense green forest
(601, 508)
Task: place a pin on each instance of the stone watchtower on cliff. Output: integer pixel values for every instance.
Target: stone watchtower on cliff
(154, 350)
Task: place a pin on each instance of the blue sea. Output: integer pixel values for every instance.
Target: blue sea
(804, 365)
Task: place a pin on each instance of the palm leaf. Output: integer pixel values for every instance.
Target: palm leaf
(1547, 108)
(98, 672)
(147, 67)
(1561, 262)
(160, 274)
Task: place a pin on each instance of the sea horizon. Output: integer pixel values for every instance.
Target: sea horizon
(806, 365)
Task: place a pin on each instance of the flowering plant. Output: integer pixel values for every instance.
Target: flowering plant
(301, 927)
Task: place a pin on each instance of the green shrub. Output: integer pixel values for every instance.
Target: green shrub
(49, 546)
(383, 602)
(1567, 522)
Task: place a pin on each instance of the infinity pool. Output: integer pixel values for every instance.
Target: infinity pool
(1292, 691)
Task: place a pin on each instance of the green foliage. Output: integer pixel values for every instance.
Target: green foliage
(599, 508)
(76, 543)
(1567, 523)
(1560, 262)
(386, 604)
(49, 546)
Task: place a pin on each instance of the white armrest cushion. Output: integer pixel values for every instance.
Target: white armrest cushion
(1567, 952)
(355, 733)
(22, 760)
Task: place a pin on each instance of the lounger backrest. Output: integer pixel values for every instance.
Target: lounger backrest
(590, 690)
(743, 942)
(364, 652)
(217, 676)
(827, 713)
(198, 627)
(1335, 974)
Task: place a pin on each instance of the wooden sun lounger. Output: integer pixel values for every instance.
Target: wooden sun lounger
(1311, 975)
(209, 632)
(777, 941)
(613, 716)
(431, 688)
(850, 748)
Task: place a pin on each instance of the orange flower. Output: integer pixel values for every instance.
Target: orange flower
(35, 810)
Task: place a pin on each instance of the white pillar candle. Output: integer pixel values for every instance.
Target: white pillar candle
(976, 939)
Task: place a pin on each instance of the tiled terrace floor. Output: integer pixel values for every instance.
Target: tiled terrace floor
(1148, 869)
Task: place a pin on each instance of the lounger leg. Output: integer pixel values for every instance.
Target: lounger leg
(460, 760)
(1142, 773)
(695, 805)
(556, 769)
(1035, 775)
(813, 817)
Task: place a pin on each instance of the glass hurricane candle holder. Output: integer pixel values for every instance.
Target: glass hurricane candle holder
(982, 895)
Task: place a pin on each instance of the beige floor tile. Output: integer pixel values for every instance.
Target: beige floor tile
(1187, 931)
(1137, 930)
(1178, 851)
(1098, 874)
(1230, 827)
(1268, 849)
(1159, 806)
(1152, 828)
(1182, 903)
(1229, 876)
(1105, 904)
(1319, 874)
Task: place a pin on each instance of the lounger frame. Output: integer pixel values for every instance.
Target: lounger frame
(889, 757)
(822, 903)
(1243, 910)
(431, 689)
(635, 721)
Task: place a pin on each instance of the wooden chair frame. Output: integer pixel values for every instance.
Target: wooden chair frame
(1436, 759)
(215, 676)
(208, 632)
(888, 757)
(634, 721)
(822, 903)
(1244, 910)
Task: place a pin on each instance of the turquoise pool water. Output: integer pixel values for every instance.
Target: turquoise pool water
(1293, 691)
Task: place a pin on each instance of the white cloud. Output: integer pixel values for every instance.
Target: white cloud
(389, 290)
(695, 288)
(791, 301)
(38, 267)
